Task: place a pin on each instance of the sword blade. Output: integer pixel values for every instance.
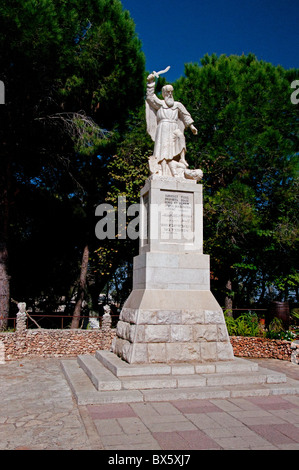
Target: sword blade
(161, 71)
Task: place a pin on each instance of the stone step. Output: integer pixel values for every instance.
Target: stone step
(244, 378)
(225, 392)
(85, 392)
(144, 382)
(109, 372)
(100, 376)
(104, 379)
(196, 380)
(121, 368)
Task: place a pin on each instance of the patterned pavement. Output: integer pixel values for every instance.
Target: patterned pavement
(38, 412)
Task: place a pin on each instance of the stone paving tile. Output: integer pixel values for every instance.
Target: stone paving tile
(251, 417)
(195, 406)
(225, 405)
(294, 399)
(132, 425)
(241, 443)
(291, 416)
(274, 434)
(234, 431)
(272, 403)
(218, 432)
(145, 410)
(224, 419)
(108, 427)
(185, 440)
(165, 424)
(203, 421)
(243, 403)
(288, 446)
(123, 440)
(115, 410)
(165, 408)
(160, 419)
(289, 430)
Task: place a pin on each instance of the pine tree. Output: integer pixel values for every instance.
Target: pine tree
(72, 71)
(247, 147)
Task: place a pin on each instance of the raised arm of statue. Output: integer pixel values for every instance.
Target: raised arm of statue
(151, 97)
(152, 104)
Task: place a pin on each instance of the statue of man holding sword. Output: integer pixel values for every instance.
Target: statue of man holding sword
(166, 121)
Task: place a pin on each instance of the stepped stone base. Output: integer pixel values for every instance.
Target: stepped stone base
(105, 378)
(188, 327)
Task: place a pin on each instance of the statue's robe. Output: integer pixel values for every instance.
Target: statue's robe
(166, 125)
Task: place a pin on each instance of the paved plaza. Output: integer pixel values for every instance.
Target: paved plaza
(38, 412)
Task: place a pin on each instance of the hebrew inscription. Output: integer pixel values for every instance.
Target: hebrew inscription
(176, 213)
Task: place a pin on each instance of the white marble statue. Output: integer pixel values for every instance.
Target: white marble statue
(166, 121)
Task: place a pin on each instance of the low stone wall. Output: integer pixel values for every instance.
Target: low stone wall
(244, 346)
(60, 343)
(55, 343)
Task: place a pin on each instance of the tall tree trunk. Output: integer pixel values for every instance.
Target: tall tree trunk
(263, 291)
(81, 288)
(4, 287)
(228, 301)
(4, 277)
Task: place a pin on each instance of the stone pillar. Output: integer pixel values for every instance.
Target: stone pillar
(106, 327)
(106, 320)
(21, 318)
(21, 327)
(171, 314)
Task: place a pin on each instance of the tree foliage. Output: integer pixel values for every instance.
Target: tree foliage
(248, 149)
(128, 170)
(73, 71)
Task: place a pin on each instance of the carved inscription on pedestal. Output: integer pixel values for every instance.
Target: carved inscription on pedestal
(176, 216)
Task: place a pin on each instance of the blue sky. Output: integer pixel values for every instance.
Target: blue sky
(175, 32)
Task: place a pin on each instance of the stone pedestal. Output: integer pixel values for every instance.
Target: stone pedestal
(171, 315)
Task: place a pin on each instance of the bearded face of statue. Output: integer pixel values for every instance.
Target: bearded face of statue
(167, 91)
(169, 101)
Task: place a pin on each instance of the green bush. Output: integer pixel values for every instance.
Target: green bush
(231, 325)
(248, 325)
(295, 315)
(245, 325)
(276, 331)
